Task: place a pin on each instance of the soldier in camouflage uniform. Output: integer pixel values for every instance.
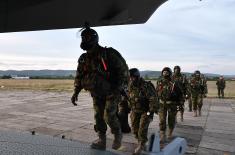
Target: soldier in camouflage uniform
(197, 89)
(143, 103)
(180, 78)
(103, 72)
(221, 86)
(169, 94)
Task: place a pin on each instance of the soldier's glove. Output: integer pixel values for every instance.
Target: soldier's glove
(74, 98)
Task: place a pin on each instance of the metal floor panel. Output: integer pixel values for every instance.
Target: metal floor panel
(16, 143)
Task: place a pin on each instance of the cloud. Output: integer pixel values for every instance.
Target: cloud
(193, 34)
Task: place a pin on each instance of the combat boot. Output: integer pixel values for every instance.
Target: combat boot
(100, 144)
(117, 142)
(169, 136)
(194, 113)
(139, 148)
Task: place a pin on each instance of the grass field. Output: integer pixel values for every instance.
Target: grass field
(52, 85)
(67, 85)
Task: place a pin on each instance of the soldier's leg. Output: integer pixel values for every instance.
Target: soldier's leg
(100, 125)
(222, 92)
(190, 104)
(200, 103)
(218, 92)
(172, 109)
(181, 109)
(110, 116)
(195, 105)
(178, 109)
(162, 122)
(135, 123)
(143, 132)
(123, 111)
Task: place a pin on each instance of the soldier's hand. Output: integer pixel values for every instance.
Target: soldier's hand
(74, 98)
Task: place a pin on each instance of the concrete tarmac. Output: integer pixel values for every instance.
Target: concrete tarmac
(51, 114)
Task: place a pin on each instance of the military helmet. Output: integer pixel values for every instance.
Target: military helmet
(134, 72)
(168, 70)
(197, 72)
(89, 38)
(177, 67)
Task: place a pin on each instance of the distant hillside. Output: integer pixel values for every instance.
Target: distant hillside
(31, 73)
(64, 73)
(155, 74)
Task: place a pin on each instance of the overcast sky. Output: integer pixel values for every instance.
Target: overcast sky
(197, 35)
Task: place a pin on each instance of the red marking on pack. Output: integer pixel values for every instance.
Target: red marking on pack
(160, 87)
(104, 64)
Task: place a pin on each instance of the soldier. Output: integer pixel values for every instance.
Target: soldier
(143, 103)
(169, 94)
(197, 89)
(182, 81)
(103, 72)
(221, 86)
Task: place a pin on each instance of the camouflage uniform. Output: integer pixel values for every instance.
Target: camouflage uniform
(169, 94)
(190, 104)
(182, 81)
(142, 99)
(221, 86)
(197, 91)
(205, 85)
(103, 73)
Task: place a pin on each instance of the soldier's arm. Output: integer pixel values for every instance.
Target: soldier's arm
(79, 74)
(156, 88)
(152, 98)
(77, 80)
(185, 85)
(189, 88)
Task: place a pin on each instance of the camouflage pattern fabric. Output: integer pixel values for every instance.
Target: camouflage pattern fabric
(143, 103)
(103, 73)
(189, 95)
(183, 84)
(168, 106)
(170, 109)
(204, 81)
(220, 87)
(105, 111)
(143, 97)
(140, 123)
(197, 90)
